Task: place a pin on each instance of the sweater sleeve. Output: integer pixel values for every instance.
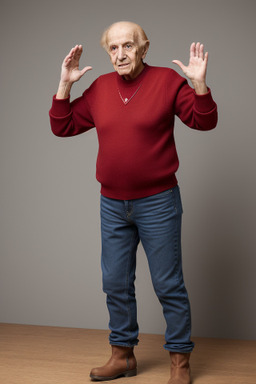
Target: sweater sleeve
(196, 111)
(70, 118)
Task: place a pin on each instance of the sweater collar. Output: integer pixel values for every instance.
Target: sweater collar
(122, 83)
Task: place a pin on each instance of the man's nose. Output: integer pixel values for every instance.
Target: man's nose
(121, 53)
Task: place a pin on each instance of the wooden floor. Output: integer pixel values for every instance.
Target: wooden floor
(52, 355)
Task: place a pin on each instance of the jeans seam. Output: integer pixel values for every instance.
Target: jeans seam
(128, 281)
(181, 289)
(176, 253)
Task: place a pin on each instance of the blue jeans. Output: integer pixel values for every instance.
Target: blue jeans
(156, 222)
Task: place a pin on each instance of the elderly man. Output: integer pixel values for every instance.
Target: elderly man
(133, 110)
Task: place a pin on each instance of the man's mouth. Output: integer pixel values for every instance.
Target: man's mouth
(123, 65)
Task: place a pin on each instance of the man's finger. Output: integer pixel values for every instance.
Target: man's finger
(179, 63)
(85, 69)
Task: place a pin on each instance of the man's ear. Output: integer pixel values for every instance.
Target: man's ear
(145, 49)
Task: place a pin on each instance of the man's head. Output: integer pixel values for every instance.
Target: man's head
(127, 46)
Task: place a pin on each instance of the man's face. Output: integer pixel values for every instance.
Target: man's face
(124, 51)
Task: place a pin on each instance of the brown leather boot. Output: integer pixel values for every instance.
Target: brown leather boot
(180, 370)
(121, 363)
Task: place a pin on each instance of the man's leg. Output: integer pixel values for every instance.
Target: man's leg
(158, 219)
(119, 244)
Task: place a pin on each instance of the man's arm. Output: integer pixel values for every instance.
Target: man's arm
(70, 72)
(70, 119)
(196, 69)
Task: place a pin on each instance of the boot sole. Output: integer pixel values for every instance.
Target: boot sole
(132, 372)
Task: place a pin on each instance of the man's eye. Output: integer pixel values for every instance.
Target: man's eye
(113, 48)
(128, 46)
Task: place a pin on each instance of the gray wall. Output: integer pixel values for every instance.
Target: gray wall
(50, 237)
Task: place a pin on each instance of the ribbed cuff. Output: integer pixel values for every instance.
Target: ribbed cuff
(204, 103)
(60, 107)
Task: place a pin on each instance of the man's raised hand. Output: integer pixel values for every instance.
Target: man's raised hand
(70, 72)
(197, 67)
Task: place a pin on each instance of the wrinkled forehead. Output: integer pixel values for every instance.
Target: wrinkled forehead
(122, 33)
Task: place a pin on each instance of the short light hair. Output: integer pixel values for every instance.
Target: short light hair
(139, 33)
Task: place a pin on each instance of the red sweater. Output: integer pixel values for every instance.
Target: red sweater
(137, 155)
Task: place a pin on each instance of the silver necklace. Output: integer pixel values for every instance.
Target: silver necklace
(126, 100)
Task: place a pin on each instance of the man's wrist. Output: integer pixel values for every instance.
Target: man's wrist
(63, 90)
(200, 87)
